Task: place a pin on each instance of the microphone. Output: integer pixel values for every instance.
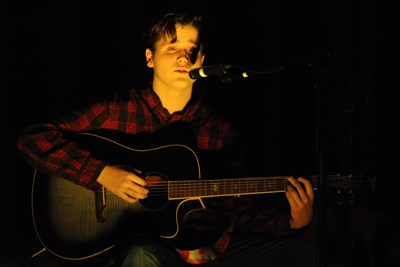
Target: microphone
(229, 73)
(203, 72)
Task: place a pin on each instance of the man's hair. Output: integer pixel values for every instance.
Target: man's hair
(166, 26)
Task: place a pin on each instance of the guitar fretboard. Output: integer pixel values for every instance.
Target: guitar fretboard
(225, 187)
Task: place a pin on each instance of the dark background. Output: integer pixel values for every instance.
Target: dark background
(332, 111)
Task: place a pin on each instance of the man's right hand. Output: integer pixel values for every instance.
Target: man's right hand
(123, 183)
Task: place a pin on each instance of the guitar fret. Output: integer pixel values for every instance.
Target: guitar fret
(235, 188)
(191, 190)
(196, 189)
(213, 187)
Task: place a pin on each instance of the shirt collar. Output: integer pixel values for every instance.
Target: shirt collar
(154, 103)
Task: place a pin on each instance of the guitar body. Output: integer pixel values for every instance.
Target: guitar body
(75, 223)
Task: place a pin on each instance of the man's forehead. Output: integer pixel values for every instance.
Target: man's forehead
(183, 34)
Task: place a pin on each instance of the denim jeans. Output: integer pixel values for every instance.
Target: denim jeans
(245, 250)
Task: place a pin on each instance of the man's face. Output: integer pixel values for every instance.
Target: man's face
(171, 58)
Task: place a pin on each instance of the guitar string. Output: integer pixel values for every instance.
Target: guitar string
(206, 187)
(231, 186)
(207, 191)
(226, 184)
(192, 188)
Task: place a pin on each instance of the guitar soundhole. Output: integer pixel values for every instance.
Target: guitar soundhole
(158, 192)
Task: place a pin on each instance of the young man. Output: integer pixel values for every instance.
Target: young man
(248, 232)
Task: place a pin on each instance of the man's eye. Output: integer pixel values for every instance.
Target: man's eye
(171, 49)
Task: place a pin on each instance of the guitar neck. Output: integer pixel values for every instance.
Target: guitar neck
(184, 189)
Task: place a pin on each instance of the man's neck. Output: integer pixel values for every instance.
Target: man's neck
(173, 99)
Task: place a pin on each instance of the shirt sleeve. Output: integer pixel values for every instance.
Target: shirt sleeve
(50, 149)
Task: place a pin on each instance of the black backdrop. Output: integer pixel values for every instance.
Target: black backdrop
(336, 112)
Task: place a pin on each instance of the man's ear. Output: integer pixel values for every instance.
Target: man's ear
(149, 58)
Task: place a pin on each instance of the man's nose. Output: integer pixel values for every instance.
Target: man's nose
(183, 57)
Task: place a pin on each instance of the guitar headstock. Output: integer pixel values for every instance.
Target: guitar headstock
(348, 189)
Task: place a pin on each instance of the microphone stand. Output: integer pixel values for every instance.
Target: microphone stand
(233, 72)
(319, 235)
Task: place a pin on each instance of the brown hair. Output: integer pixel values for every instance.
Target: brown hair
(166, 26)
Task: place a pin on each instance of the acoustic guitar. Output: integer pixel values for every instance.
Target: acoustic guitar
(76, 223)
